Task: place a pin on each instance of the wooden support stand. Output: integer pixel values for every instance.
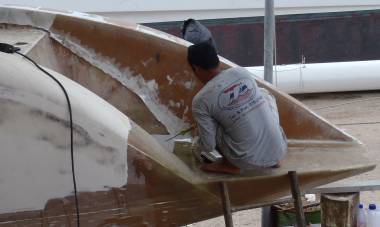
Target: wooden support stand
(296, 193)
(339, 209)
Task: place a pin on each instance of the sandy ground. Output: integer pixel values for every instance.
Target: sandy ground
(357, 113)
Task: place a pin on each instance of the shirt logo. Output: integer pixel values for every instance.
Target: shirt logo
(236, 94)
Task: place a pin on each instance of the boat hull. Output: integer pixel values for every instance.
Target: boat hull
(134, 73)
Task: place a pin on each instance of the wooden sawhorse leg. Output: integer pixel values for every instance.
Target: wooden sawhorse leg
(226, 205)
(296, 193)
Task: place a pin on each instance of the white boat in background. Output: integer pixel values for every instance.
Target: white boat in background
(151, 11)
(324, 77)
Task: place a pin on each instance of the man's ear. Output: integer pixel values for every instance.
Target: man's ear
(196, 69)
(192, 67)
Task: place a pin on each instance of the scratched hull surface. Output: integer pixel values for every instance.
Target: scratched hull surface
(125, 176)
(111, 173)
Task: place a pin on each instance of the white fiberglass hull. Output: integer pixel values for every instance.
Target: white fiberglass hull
(35, 138)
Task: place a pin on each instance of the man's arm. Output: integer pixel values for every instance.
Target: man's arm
(206, 126)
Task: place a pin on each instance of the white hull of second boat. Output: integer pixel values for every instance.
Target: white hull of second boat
(324, 77)
(150, 11)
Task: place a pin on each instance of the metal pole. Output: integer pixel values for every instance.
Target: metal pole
(226, 205)
(295, 187)
(266, 216)
(269, 27)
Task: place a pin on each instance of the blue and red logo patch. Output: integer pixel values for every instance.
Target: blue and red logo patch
(236, 94)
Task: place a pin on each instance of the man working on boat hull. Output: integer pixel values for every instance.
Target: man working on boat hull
(234, 116)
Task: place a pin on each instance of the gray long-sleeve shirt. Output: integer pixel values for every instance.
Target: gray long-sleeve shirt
(235, 116)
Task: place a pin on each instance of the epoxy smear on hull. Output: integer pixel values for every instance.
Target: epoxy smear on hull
(35, 140)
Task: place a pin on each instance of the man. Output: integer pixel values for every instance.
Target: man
(234, 116)
(195, 32)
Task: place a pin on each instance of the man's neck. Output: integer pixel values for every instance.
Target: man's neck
(214, 73)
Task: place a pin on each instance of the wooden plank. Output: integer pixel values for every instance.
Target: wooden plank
(347, 187)
(339, 209)
(283, 200)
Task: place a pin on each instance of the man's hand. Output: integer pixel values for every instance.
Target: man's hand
(194, 132)
(195, 149)
(183, 132)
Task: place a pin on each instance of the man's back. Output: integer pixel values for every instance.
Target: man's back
(247, 130)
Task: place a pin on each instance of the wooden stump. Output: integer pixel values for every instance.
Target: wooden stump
(339, 210)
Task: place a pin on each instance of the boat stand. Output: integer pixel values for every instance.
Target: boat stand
(296, 198)
(226, 205)
(296, 194)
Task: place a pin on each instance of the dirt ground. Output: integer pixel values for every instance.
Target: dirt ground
(357, 113)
